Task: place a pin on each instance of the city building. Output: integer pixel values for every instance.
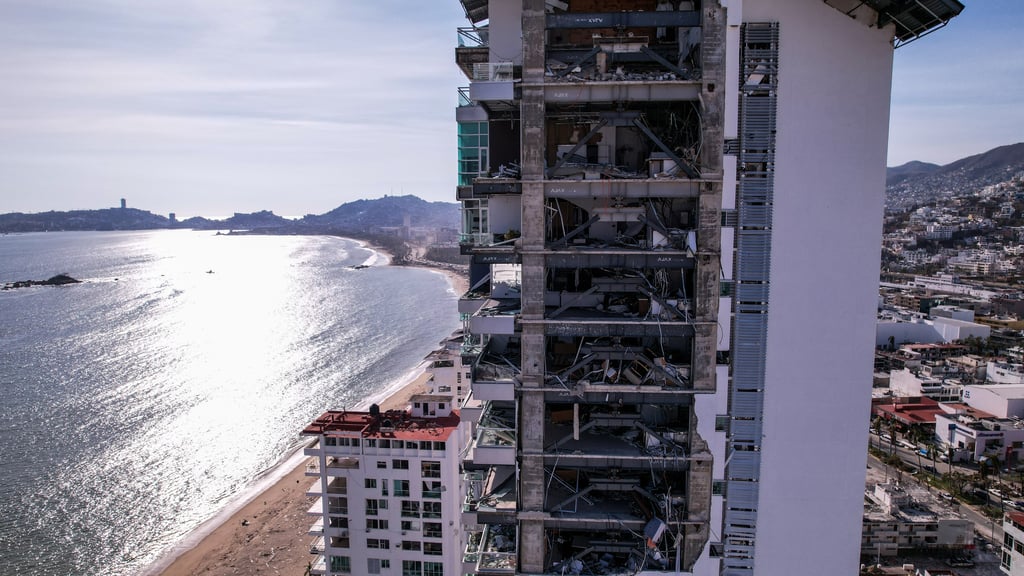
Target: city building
(1000, 400)
(976, 436)
(386, 489)
(673, 211)
(1013, 544)
(447, 374)
(898, 520)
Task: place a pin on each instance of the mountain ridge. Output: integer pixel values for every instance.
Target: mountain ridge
(356, 216)
(916, 183)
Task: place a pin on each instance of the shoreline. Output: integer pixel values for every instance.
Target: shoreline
(265, 529)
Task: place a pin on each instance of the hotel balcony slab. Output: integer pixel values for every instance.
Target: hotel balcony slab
(629, 188)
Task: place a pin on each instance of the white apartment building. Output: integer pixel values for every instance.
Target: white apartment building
(691, 193)
(387, 490)
(447, 374)
(1012, 561)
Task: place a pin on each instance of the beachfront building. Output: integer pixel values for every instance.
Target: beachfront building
(673, 212)
(445, 372)
(1012, 559)
(386, 489)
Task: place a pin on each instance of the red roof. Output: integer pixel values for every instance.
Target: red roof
(908, 410)
(393, 424)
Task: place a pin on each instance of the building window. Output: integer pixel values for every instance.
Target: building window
(371, 443)
(431, 509)
(432, 530)
(718, 487)
(425, 444)
(721, 422)
(410, 525)
(432, 549)
(373, 505)
(375, 565)
(330, 441)
(382, 464)
(341, 564)
(370, 483)
(411, 545)
(440, 446)
(400, 464)
(412, 568)
(472, 151)
(410, 509)
(717, 550)
(378, 543)
(430, 469)
(433, 569)
(431, 489)
(401, 487)
(376, 524)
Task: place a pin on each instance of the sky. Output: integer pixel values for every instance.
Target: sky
(210, 107)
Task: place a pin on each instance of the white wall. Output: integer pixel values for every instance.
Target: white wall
(504, 213)
(905, 332)
(951, 330)
(984, 398)
(834, 87)
(506, 30)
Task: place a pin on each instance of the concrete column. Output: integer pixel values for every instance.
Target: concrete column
(531, 402)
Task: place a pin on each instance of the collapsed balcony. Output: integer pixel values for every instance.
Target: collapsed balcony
(590, 233)
(495, 441)
(497, 369)
(619, 302)
(490, 495)
(606, 364)
(491, 549)
(605, 142)
(652, 36)
(614, 551)
(617, 436)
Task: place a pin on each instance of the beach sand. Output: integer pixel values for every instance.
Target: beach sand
(269, 534)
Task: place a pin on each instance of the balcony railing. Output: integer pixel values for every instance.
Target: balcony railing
(464, 99)
(473, 37)
(317, 546)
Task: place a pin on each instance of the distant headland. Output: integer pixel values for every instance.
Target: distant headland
(361, 216)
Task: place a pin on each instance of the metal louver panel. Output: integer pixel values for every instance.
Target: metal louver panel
(745, 464)
(746, 430)
(754, 197)
(751, 292)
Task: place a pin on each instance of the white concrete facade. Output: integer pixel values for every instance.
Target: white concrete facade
(999, 400)
(388, 490)
(834, 85)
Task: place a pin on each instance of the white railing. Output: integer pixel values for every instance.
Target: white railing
(492, 72)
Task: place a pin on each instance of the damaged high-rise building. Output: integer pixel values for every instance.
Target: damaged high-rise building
(674, 213)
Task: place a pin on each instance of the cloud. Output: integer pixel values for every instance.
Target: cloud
(230, 94)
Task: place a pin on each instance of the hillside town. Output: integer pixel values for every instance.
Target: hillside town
(946, 466)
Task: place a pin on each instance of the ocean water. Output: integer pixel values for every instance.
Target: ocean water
(137, 404)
